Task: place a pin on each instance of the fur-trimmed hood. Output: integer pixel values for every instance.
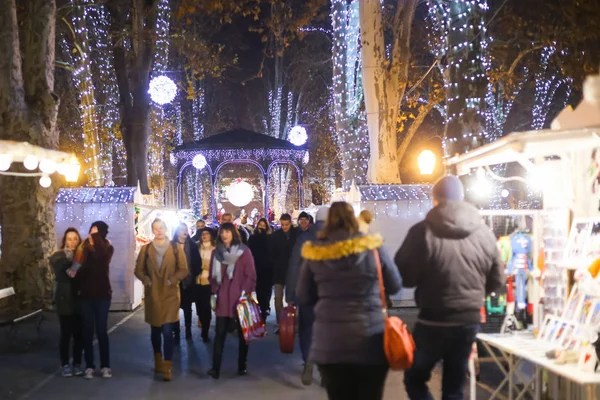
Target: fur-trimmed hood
(335, 250)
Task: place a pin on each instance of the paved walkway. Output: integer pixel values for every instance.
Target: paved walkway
(272, 375)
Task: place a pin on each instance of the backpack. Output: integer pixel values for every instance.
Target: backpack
(398, 343)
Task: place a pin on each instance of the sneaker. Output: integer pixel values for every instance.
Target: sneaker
(106, 373)
(66, 371)
(89, 373)
(307, 374)
(77, 371)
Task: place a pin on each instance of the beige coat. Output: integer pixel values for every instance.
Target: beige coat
(161, 298)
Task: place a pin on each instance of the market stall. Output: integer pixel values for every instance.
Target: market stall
(563, 237)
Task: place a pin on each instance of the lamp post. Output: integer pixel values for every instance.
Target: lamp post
(427, 161)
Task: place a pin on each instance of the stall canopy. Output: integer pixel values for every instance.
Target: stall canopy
(523, 147)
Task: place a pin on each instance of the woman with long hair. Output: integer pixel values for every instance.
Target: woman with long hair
(161, 266)
(259, 246)
(91, 266)
(188, 287)
(340, 279)
(231, 274)
(207, 247)
(65, 303)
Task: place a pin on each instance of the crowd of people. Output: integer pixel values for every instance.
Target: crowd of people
(328, 268)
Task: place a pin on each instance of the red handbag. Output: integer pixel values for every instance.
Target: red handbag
(287, 329)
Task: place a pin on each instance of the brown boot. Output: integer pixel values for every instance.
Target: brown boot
(167, 371)
(158, 363)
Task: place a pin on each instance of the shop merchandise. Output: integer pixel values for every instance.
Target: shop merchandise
(520, 266)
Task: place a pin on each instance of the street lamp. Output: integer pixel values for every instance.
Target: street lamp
(427, 160)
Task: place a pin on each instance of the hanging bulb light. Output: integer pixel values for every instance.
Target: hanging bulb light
(45, 181)
(48, 166)
(30, 162)
(5, 161)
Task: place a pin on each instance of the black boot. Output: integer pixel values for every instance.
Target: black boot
(242, 354)
(220, 334)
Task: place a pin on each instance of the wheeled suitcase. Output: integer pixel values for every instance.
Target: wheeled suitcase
(287, 329)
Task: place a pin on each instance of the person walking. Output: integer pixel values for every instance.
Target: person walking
(340, 280)
(243, 232)
(306, 315)
(232, 273)
(66, 304)
(161, 266)
(452, 259)
(303, 221)
(200, 226)
(259, 246)
(282, 243)
(190, 290)
(91, 268)
(207, 247)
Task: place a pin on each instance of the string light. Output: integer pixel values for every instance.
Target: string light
(83, 206)
(298, 136)
(162, 90)
(261, 155)
(388, 200)
(199, 161)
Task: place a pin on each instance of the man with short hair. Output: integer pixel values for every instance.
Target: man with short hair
(303, 221)
(228, 217)
(453, 260)
(200, 225)
(282, 243)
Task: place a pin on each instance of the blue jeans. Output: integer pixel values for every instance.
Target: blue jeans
(156, 335)
(95, 319)
(450, 344)
(305, 326)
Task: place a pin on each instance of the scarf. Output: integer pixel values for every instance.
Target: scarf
(69, 253)
(227, 257)
(160, 251)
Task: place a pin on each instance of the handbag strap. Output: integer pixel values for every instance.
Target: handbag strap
(381, 286)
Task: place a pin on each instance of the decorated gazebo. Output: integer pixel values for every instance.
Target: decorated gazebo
(237, 146)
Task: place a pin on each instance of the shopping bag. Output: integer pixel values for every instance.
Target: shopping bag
(287, 329)
(253, 327)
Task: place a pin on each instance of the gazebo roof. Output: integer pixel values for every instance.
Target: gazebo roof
(239, 139)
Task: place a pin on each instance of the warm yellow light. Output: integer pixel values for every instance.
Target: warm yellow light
(427, 160)
(70, 169)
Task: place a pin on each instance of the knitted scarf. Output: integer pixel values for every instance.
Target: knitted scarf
(69, 253)
(226, 257)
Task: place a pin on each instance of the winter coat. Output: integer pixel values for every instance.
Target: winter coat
(161, 285)
(340, 279)
(259, 245)
(93, 273)
(65, 289)
(194, 263)
(281, 250)
(296, 259)
(230, 290)
(453, 260)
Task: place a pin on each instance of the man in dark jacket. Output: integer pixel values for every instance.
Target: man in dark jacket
(244, 234)
(282, 243)
(306, 312)
(453, 260)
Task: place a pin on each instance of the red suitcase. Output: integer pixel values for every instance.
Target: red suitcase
(287, 329)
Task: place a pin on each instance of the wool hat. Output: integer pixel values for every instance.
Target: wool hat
(102, 228)
(322, 214)
(303, 214)
(449, 188)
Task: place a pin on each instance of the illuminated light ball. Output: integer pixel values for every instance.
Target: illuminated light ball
(48, 166)
(5, 161)
(504, 193)
(306, 158)
(45, 181)
(240, 193)
(298, 135)
(426, 160)
(199, 161)
(162, 90)
(30, 162)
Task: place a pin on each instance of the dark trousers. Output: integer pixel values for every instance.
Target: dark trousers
(348, 381)
(264, 292)
(189, 296)
(306, 319)
(157, 333)
(450, 344)
(221, 328)
(71, 327)
(203, 308)
(95, 319)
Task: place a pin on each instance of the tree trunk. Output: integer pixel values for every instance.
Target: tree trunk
(28, 111)
(384, 82)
